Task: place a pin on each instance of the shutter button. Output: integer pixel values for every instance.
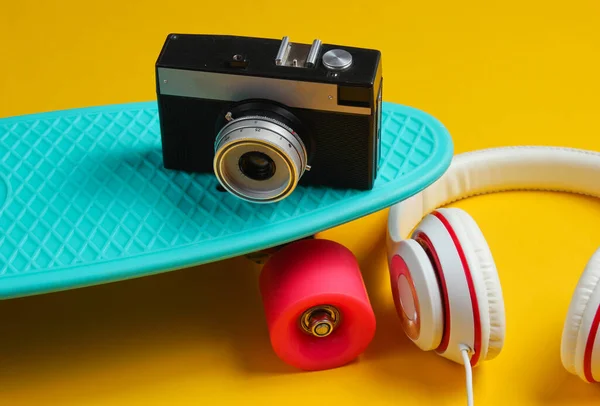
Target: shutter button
(337, 59)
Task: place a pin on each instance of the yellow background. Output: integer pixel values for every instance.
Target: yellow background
(495, 73)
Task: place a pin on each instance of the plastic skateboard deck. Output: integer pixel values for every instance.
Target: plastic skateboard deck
(84, 198)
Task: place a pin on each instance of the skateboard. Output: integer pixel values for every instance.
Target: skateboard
(85, 200)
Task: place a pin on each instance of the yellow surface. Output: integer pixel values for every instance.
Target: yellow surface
(507, 73)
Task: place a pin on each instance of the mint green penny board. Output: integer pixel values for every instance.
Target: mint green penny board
(84, 198)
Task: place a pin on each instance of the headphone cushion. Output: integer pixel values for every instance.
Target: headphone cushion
(577, 327)
(487, 267)
(486, 281)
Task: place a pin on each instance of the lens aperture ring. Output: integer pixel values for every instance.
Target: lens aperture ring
(259, 134)
(295, 142)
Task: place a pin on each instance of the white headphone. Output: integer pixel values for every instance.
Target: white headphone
(444, 280)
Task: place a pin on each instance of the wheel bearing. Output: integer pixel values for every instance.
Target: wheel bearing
(320, 321)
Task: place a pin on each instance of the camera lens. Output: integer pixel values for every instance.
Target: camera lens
(259, 159)
(257, 166)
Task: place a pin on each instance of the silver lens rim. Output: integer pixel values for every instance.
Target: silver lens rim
(261, 134)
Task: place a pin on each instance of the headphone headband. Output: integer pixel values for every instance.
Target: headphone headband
(498, 170)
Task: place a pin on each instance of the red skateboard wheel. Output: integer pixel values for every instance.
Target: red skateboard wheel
(317, 308)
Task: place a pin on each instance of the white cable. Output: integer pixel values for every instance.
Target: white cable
(468, 372)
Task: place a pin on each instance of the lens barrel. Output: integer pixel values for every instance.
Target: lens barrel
(259, 159)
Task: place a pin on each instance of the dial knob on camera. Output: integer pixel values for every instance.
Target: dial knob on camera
(337, 59)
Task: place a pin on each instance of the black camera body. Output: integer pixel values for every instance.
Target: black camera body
(315, 108)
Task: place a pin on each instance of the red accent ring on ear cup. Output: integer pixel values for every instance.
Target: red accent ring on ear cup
(589, 348)
(471, 285)
(427, 245)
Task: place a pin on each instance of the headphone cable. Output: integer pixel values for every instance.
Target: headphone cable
(468, 373)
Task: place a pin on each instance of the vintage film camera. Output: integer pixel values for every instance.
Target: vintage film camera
(266, 115)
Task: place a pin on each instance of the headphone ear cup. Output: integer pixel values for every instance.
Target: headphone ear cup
(580, 344)
(469, 284)
(416, 295)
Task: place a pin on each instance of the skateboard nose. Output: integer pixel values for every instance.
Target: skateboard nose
(320, 321)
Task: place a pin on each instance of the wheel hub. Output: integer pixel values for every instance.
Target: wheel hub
(320, 321)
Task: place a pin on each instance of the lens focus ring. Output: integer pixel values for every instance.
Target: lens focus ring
(259, 159)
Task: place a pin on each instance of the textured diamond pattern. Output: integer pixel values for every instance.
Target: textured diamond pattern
(87, 186)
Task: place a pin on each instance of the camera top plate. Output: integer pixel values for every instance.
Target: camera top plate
(267, 57)
(84, 198)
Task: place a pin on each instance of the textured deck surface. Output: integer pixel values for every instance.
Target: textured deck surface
(84, 198)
